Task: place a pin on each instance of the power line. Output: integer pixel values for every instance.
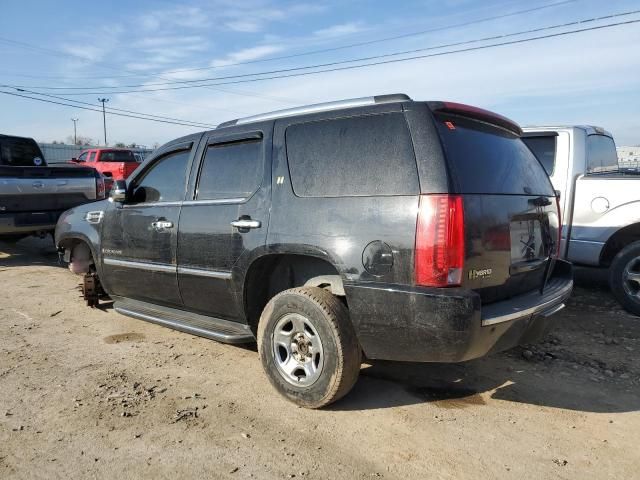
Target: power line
(107, 66)
(342, 62)
(98, 110)
(237, 79)
(301, 54)
(162, 117)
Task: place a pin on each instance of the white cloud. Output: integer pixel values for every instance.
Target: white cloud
(340, 30)
(183, 16)
(246, 55)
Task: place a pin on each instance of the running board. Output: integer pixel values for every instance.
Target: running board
(201, 325)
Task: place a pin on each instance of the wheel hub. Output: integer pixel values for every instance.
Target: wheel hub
(297, 350)
(631, 277)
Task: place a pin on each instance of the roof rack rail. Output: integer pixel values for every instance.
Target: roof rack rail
(320, 107)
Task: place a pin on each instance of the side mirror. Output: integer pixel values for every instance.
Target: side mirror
(558, 193)
(118, 191)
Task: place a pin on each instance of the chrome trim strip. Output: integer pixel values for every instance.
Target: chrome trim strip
(153, 267)
(587, 241)
(220, 201)
(205, 273)
(152, 204)
(549, 307)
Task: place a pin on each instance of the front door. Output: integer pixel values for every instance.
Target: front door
(226, 219)
(139, 238)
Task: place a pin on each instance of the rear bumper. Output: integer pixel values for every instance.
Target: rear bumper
(28, 222)
(449, 325)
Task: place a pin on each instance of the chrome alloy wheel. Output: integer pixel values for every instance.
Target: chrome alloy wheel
(297, 350)
(631, 278)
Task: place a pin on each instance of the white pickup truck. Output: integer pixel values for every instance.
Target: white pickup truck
(600, 203)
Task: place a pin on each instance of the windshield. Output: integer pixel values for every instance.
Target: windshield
(601, 154)
(20, 152)
(117, 156)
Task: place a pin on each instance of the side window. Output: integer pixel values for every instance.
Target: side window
(164, 181)
(601, 154)
(92, 156)
(356, 156)
(544, 148)
(230, 170)
(83, 157)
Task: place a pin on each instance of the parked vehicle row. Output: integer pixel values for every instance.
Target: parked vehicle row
(380, 227)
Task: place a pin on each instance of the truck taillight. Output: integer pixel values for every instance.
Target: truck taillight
(100, 188)
(439, 256)
(558, 246)
(121, 169)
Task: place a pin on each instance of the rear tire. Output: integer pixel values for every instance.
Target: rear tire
(624, 277)
(308, 346)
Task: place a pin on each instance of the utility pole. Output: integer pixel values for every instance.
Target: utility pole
(75, 140)
(104, 119)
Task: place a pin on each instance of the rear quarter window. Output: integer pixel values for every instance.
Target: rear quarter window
(485, 159)
(355, 156)
(544, 148)
(602, 156)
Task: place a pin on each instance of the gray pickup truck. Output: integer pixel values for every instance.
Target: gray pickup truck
(33, 195)
(600, 203)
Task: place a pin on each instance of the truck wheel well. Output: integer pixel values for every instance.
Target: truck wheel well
(618, 241)
(272, 274)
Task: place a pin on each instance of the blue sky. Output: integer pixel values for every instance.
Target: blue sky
(587, 78)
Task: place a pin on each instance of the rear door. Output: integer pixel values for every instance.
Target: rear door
(139, 238)
(511, 221)
(225, 219)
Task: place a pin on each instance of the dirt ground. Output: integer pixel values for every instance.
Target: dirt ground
(92, 394)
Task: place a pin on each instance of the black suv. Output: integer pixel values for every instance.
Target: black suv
(377, 227)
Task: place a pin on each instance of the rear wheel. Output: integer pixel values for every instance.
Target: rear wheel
(308, 346)
(625, 277)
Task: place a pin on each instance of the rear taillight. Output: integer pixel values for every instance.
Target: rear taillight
(121, 169)
(559, 226)
(100, 188)
(439, 256)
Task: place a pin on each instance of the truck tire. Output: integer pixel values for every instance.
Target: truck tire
(624, 278)
(308, 346)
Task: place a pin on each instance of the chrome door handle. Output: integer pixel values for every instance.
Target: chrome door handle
(161, 225)
(246, 223)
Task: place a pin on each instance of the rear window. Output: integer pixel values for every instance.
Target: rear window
(487, 159)
(20, 152)
(355, 156)
(601, 154)
(117, 156)
(544, 148)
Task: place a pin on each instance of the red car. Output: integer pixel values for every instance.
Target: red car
(113, 163)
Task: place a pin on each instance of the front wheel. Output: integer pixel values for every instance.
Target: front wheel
(624, 278)
(308, 346)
